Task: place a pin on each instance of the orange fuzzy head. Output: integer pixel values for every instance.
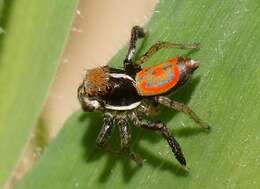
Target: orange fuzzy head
(96, 81)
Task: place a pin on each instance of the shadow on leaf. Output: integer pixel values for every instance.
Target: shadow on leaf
(5, 18)
(129, 168)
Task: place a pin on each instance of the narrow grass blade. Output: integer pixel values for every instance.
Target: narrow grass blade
(30, 48)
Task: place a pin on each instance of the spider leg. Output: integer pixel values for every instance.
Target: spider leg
(105, 131)
(138, 121)
(164, 45)
(136, 33)
(182, 108)
(125, 137)
(81, 95)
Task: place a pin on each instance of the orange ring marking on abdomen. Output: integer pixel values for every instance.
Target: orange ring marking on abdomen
(148, 91)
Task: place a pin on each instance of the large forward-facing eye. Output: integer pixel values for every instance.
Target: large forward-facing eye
(90, 105)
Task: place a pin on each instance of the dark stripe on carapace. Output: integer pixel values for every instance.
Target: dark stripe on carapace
(122, 92)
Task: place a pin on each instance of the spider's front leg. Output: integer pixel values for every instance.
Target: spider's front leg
(105, 131)
(81, 96)
(125, 137)
(182, 108)
(136, 33)
(138, 121)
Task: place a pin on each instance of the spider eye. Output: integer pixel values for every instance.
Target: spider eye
(90, 105)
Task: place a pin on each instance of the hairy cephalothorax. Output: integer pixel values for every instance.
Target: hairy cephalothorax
(96, 81)
(134, 93)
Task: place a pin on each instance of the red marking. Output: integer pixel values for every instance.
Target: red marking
(141, 73)
(158, 72)
(174, 60)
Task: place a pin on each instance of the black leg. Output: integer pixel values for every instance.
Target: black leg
(136, 33)
(182, 108)
(81, 98)
(106, 131)
(125, 137)
(164, 45)
(81, 94)
(166, 133)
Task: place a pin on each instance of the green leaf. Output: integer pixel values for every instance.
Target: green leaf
(1, 12)
(225, 92)
(1, 7)
(34, 37)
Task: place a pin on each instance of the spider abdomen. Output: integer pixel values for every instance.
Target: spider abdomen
(162, 78)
